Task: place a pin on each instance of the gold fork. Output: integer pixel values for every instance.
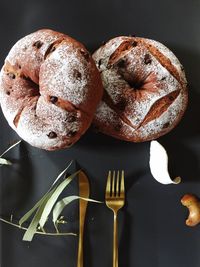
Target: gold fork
(115, 198)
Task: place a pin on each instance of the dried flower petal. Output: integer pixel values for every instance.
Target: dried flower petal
(159, 164)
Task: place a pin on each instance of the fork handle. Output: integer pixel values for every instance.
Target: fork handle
(115, 241)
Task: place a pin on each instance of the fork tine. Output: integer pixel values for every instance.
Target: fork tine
(117, 185)
(122, 187)
(113, 184)
(115, 200)
(108, 185)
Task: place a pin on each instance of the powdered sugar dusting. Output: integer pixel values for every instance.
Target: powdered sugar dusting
(42, 65)
(26, 54)
(157, 83)
(112, 121)
(174, 111)
(104, 52)
(58, 74)
(39, 127)
(169, 54)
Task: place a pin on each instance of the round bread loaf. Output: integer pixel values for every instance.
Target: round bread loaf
(49, 89)
(145, 92)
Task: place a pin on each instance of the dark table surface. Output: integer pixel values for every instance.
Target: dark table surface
(152, 229)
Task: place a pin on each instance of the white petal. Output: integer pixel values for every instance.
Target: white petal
(159, 164)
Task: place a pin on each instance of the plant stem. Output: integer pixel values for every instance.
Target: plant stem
(38, 232)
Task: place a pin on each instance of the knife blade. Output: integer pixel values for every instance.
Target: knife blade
(84, 191)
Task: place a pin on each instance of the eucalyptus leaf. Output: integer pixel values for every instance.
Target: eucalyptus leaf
(15, 144)
(61, 174)
(5, 162)
(32, 229)
(52, 200)
(45, 205)
(60, 205)
(30, 212)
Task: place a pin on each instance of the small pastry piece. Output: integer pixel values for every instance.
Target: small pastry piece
(145, 92)
(49, 89)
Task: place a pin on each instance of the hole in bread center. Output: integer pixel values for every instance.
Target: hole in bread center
(35, 87)
(134, 82)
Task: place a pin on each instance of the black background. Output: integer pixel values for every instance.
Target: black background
(152, 223)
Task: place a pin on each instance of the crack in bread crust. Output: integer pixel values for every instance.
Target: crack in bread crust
(163, 60)
(52, 47)
(17, 117)
(23, 106)
(68, 106)
(108, 100)
(123, 48)
(159, 107)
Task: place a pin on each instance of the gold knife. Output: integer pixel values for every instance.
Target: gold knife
(84, 191)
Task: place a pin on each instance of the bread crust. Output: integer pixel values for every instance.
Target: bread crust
(49, 89)
(145, 89)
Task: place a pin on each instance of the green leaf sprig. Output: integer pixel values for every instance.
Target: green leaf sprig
(47, 204)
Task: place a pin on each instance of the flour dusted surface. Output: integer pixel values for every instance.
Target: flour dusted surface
(157, 84)
(46, 87)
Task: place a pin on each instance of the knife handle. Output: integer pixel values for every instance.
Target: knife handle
(80, 252)
(80, 241)
(84, 192)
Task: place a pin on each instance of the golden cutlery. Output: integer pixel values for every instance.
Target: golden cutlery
(115, 198)
(84, 191)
